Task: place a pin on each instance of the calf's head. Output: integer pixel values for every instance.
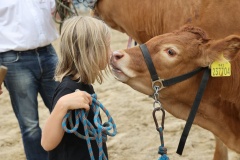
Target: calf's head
(173, 54)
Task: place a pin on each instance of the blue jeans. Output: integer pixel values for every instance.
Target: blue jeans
(29, 73)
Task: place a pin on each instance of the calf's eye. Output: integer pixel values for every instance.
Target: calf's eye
(171, 52)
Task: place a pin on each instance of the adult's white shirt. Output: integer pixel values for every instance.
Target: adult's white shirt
(26, 24)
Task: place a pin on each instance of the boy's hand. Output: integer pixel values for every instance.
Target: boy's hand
(76, 100)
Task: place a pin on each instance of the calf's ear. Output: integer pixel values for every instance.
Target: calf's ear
(200, 33)
(228, 47)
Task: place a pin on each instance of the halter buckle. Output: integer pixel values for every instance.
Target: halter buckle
(158, 83)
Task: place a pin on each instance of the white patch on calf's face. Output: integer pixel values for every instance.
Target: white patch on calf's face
(120, 62)
(120, 77)
(130, 73)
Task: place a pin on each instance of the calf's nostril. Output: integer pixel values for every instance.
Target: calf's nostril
(117, 55)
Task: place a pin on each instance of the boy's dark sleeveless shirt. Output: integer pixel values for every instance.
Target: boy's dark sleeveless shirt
(71, 147)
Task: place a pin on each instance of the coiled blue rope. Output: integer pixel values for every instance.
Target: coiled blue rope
(91, 133)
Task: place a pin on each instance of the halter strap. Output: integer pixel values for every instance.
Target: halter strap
(148, 60)
(164, 82)
(174, 80)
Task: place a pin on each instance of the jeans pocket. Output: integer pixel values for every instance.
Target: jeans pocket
(9, 57)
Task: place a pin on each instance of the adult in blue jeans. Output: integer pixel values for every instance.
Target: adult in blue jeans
(26, 33)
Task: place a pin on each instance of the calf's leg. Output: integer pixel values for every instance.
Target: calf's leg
(221, 151)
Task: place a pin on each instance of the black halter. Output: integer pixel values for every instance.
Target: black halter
(154, 76)
(164, 83)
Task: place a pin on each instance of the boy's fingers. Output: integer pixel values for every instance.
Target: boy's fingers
(85, 95)
(89, 98)
(86, 106)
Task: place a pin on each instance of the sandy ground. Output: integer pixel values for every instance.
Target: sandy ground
(137, 137)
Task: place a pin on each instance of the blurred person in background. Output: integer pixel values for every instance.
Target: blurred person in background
(27, 31)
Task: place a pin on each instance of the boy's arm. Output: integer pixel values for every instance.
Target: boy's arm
(52, 132)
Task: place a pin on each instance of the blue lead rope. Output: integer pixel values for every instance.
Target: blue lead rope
(91, 133)
(162, 150)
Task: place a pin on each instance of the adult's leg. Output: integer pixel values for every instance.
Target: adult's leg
(22, 83)
(48, 60)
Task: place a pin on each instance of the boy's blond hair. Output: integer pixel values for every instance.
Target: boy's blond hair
(84, 48)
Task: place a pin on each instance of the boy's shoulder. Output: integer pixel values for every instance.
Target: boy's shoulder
(68, 83)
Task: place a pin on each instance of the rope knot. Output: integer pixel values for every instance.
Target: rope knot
(162, 150)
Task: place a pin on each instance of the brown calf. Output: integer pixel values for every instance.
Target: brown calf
(180, 52)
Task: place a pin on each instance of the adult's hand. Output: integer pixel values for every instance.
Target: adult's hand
(3, 72)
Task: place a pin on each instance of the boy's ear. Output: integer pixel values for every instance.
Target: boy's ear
(228, 47)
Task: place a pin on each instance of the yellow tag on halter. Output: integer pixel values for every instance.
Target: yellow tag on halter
(221, 68)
